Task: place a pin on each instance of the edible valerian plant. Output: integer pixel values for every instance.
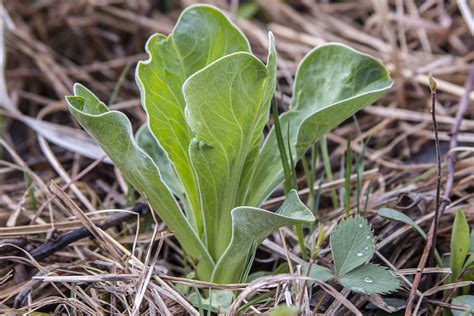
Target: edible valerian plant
(207, 101)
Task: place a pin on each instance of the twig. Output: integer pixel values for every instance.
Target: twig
(67, 238)
(455, 131)
(440, 205)
(438, 161)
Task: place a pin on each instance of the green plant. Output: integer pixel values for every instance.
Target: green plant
(461, 260)
(207, 99)
(466, 301)
(460, 241)
(352, 246)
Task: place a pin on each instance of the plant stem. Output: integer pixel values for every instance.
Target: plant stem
(328, 171)
(440, 205)
(360, 174)
(347, 180)
(290, 176)
(31, 191)
(119, 83)
(281, 148)
(301, 243)
(310, 172)
(294, 185)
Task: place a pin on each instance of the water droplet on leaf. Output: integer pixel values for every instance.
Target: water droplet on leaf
(368, 280)
(360, 254)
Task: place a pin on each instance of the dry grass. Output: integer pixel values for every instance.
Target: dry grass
(136, 266)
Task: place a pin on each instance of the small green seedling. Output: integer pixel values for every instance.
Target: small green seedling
(207, 99)
(353, 245)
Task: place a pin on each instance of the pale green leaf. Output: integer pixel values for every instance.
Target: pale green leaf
(284, 310)
(247, 9)
(471, 243)
(466, 301)
(460, 240)
(318, 272)
(470, 261)
(370, 278)
(352, 244)
(227, 119)
(400, 217)
(218, 301)
(147, 142)
(332, 83)
(202, 35)
(113, 132)
(250, 226)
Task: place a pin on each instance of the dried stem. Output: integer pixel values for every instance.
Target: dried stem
(67, 238)
(440, 206)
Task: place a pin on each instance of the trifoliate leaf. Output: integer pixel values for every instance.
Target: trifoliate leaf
(370, 278)
(352, 244)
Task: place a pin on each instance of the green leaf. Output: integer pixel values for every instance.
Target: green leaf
(400, 217)
(284, 310)
(202, 35)
(332, 83)
(147, 142)
(471, 242)
(113, 132)
(227, 119)
(460, 240)
(218, 301)
(370, 278)
(466, 301)
(352, 244)
(247, 10)
(318, 272)
(250, 226)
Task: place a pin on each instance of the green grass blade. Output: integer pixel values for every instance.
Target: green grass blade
(328, 171)
(347, 179)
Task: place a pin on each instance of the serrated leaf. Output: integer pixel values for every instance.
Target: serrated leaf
(113, 132)
(250, 226)
(466, 301)
(147, 142)
(202, 35)
(400, 217)
(332, 83)
(370, 278)
(352, 244)
(460, 241)
(318, 272)
(227, 119)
